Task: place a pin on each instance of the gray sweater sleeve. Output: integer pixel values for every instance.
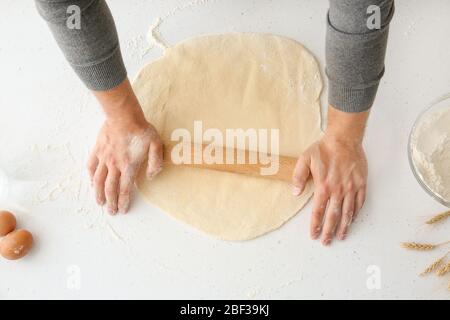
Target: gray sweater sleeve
(92, 49)
(355, 52)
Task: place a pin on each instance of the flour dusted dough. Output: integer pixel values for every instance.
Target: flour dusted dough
(231, 81)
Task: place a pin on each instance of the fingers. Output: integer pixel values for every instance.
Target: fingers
(155, 159)
(360, 199)
(333, 216)
(351, 207)
(319, 206)
(300, 176)
(92, 165)
(348, 209)
(99, 183)
(112, 190)
(339, 216)
(126, 184)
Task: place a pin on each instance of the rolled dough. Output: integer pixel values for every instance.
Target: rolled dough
(231, 81)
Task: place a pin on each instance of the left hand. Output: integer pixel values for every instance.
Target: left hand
(338, 167)
(124, 142)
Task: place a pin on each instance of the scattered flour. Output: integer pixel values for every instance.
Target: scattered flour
(154, 36)
(254, 292)
(430, 146)
(187, 5)
(65, 181)
(258, 292)
(136, 47)
(68, 185)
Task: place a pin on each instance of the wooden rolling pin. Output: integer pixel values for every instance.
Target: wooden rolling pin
(285, 169)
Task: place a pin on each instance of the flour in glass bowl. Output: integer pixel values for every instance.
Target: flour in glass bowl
(430, 150)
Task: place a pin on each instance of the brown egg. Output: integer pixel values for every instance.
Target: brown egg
(7, 223)
(16, 245)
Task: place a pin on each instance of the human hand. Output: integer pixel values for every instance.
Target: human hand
(338, 167)
(125, 141)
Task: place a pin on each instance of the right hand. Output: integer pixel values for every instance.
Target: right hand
(119, 152)
(125, 141)
(339, 171)
(338, 166)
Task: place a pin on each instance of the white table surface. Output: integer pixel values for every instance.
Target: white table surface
(48, 122)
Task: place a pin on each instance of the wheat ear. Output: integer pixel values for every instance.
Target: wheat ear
(435, 265)
(422, 246)
(418, 246)
(439, 217)
(443, 270)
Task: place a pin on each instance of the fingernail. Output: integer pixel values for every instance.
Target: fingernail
(326, 242)
(123, 207)
(296, 191)
(112, 210)
(100, 201)
(342, 236)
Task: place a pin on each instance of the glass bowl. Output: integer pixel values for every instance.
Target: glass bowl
(437, 105)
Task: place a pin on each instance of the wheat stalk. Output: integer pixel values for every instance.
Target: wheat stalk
(418, 246)
(436, 264)
(443, 270)
(439, 217)
(422, 246)
(440, 267)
